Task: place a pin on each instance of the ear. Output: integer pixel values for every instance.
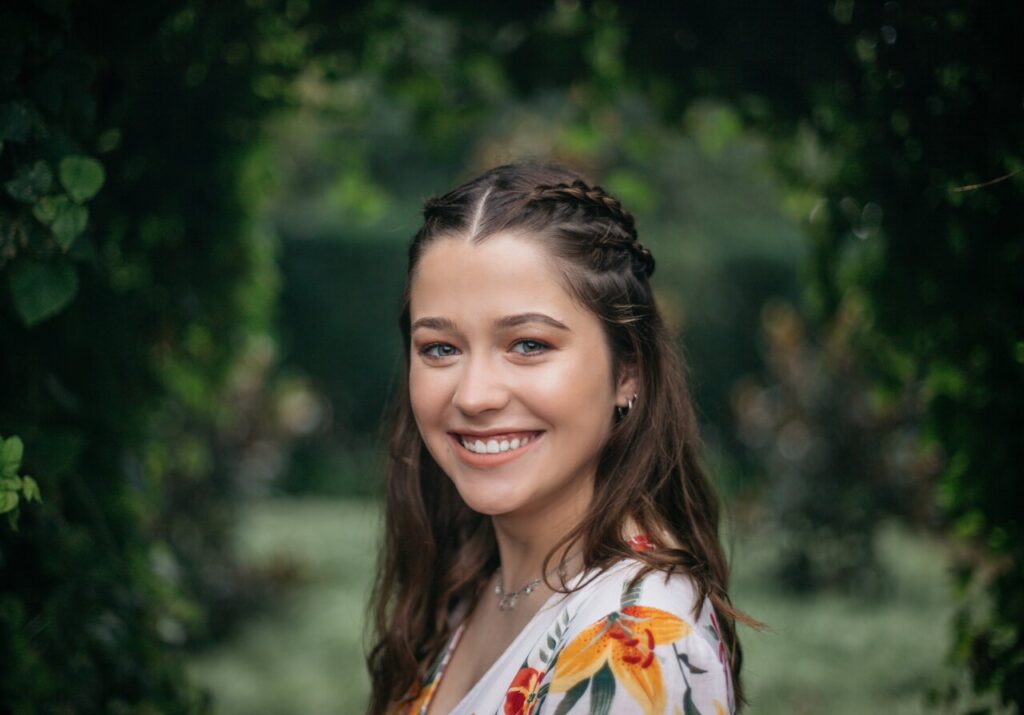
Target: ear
(627, 384)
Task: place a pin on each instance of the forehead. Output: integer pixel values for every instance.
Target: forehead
(503, 274)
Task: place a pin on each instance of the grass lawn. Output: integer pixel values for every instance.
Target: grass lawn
(843, 655)
(827, 654)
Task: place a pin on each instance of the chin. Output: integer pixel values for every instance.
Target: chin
(487, 502)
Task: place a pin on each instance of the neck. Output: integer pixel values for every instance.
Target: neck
(524, 540)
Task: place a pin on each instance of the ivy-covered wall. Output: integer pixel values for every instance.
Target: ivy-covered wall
(132, 291)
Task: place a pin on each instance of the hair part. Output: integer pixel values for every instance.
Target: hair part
(649, 472)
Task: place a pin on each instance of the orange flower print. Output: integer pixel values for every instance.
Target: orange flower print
(421, 699)
(521, 697)
(625, 641)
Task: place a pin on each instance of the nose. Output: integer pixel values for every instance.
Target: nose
(481, 387)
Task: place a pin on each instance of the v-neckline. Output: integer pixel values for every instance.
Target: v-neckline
(454, 642)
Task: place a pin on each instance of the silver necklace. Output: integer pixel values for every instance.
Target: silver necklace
(508, 601)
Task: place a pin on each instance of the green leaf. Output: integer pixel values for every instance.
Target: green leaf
(15, 122)
(67, 220)
(603, 691)
(69, 225)
(30, 183)
(12, 519)
(12, 451)
(48, 208)
(572, 697)
(8, 501)
(41, 290)
(30, 489)
(10, 483)
(81, 176)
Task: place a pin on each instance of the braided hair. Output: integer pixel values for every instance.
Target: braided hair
(620, 237)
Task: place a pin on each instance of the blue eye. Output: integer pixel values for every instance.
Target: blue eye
(438, 350)
(530, 347)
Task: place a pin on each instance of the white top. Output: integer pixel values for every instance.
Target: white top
(606, 648)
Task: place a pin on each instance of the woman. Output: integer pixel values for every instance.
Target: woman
(551, 539)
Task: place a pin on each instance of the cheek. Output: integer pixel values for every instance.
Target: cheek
(578, 393)
(426, 396)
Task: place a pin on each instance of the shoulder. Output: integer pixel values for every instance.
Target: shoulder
(621, 586)
(645, 645)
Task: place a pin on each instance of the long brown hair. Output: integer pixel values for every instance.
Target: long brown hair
(436, 551)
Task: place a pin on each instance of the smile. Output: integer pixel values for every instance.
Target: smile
(493, 449)
(498, 444)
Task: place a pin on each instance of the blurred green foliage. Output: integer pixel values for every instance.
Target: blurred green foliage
(839, 459)
(133, 293)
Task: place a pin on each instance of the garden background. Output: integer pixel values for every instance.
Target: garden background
(203, 219)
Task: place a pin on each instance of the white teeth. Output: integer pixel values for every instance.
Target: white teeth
(493, 446)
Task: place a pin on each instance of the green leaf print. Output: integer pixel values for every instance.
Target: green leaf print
(685, 660)
(572, 697)
(631, 591)
(603, 692)
(688, 707)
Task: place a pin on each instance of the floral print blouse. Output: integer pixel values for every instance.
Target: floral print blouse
(611, 647)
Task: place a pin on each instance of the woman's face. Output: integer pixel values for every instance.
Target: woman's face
(510, 379)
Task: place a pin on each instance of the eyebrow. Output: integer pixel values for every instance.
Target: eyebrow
(433, 324)
(511, 321)
(508, 321)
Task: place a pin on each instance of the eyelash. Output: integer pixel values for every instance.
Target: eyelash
(425, 350)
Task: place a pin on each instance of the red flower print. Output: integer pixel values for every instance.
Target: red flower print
(641, 542)
(722, 655)
(521, 697)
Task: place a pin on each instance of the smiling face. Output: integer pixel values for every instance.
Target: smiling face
(510, 379)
